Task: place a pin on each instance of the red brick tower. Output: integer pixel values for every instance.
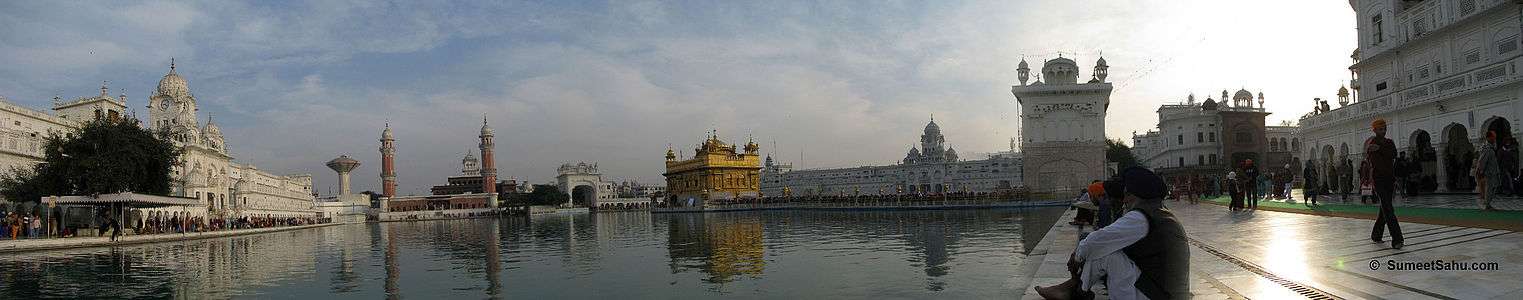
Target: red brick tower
(388, 167)
(488, 164)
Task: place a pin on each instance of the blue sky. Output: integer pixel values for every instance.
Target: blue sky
(839, 83)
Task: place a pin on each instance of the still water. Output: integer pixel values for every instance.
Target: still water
(633, 255)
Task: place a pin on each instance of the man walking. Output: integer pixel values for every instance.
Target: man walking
(1309, 187)
(1380, 152)
(1488, 172)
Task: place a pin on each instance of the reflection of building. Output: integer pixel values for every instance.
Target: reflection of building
(717, 171)
(727, 246)
(1062, 126)
(933, 168)
(1208, 138)
(1441, 73)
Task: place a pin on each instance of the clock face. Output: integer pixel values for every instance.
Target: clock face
(164, 105)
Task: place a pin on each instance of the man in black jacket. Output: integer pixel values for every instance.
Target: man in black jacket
(1381, 153)
(1144, 253)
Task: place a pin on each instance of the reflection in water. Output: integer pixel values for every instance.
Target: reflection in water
(722, 247)
(765, 254)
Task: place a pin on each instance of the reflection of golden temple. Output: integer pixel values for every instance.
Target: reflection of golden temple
(716, 172)
(737, 250)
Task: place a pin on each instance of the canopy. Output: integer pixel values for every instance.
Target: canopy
(126, 198)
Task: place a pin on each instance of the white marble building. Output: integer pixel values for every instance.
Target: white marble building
(208, 172)
(24, 129)
(932, 168)
(1441, 73)
(1062, 125)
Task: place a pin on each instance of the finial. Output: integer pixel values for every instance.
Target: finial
(171, 65)
(483, 119)
(933, 117)
(103, 90)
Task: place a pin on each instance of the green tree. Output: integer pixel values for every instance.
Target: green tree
(545, 194)
(103, 156)
(1118, 152)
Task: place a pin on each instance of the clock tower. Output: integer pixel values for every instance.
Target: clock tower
(173, 107)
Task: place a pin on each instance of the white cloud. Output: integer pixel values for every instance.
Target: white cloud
(294, 85)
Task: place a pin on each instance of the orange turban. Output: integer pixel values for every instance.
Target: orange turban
(1379, 123)
(1096, 190)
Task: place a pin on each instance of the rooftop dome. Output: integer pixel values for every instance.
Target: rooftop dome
(1242, 95)
(486, 130)
(931, 128)
(172, 84)
(1208, 105)
(211, 128)
(386, 134)
(1061, 71)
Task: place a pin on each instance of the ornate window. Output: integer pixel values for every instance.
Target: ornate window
(1379, 33)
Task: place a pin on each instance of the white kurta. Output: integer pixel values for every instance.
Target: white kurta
(1102, 256)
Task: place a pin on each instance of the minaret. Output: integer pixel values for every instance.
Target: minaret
(1101, 69)
(1023, 71)
(388, 165)
(488, 166)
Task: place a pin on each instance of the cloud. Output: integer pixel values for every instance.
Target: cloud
(836, 83)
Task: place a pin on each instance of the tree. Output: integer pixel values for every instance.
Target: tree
(545, 194)
(1119, 153)
(103, 156)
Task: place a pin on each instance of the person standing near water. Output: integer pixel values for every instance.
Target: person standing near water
(1381, 155)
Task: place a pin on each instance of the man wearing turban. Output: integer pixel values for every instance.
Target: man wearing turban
(1488, 172)
(1143, 254)
(1381, 153)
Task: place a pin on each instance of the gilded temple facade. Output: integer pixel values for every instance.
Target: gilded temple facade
(716, 172)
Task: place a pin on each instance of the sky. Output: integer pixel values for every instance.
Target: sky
(829, 83)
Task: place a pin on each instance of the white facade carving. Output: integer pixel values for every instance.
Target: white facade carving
(1062, 125)
(1440, 72)
(207, 171)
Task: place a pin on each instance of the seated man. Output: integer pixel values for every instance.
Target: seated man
(1143, 255)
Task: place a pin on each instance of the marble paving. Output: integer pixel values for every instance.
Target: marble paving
(1463, 201)
(1273, 255)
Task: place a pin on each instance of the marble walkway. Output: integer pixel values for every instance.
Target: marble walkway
(1274, 255)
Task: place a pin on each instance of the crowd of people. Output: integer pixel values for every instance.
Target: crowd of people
(16, 225)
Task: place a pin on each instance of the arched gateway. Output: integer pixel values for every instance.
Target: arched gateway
(580, 181)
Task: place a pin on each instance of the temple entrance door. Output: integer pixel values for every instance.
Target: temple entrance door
(1421, 151)
(584, 195)
(1459, 157)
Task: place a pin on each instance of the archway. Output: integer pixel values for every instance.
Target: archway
(1424, 160)
(1327, 164)
(1459, 154)
(584, 195)
(1506, 148)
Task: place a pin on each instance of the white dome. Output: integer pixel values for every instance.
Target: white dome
(1242, 95)
(172, 84)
